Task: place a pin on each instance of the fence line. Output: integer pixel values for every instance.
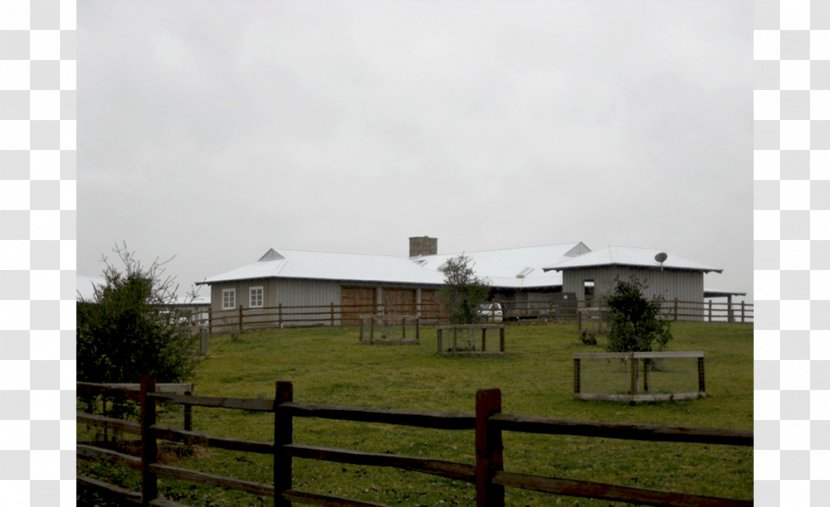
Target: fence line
(487, 474)
(241, 319)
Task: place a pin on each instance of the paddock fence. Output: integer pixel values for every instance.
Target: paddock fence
(242, 319)
(485, 470)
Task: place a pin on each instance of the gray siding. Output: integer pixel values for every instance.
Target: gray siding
(308, 292)
(668, 284)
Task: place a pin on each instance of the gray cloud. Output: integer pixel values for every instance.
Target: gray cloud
(215, 133)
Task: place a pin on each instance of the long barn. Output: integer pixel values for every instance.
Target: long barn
(359, 283)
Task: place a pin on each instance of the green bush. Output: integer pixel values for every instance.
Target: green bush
(463, 291)
(130, 327)
(634, 323)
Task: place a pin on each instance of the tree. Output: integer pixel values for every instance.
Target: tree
(463, 291)
(130, 326)
(634, 321)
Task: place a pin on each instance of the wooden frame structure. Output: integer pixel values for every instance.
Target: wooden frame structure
(448, 338)
(637, 391)
(369, 324)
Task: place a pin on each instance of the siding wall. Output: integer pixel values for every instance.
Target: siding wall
(668, 284)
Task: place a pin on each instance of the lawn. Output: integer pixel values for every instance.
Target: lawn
(328, 366)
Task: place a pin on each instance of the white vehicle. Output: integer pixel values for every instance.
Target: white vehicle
(491, 312)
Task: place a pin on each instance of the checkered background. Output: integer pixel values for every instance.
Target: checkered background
(37, 252)
(792, 252)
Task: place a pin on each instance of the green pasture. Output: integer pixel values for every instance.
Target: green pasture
(329, 366)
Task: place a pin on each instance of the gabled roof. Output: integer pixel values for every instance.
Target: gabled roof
(332, 266)
(629, 256)
(514, 267)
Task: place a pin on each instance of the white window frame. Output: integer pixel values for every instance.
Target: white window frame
(251, 292)
(225, 299)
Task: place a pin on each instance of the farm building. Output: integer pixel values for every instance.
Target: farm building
(592, 276)
(337, 288)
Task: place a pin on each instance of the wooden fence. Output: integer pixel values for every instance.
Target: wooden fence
(243, 319)
(488, 474)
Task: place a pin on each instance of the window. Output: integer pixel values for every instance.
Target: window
(228, 299)
(256, 297)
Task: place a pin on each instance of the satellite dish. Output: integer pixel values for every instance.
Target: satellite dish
(661, 258)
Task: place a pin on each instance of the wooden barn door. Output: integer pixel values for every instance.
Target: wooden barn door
(356, 301)
(399, 301)
(431, 307)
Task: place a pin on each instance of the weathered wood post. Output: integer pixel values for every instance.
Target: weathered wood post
(710, 310)
(701, 378)
(489, 450)
(577, 366)
(646, 377)
(149, 449)
(675, 308)
(743, 312)
(331, 312)
(203, 335)
(283, 435)
(279, 315)
(210, 321)
(501, 338)
(730, 314)
(635, 371)
(188, 412)
(240, 320)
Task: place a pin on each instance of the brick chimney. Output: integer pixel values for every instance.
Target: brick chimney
(423, 245)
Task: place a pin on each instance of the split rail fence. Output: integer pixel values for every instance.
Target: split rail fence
(241, 319)
(487, 474)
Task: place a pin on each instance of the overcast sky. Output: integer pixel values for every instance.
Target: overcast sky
(214, 130)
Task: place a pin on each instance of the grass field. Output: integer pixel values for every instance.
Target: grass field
(328, 366)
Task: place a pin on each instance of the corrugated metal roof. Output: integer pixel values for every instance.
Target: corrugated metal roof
(629, 256)
(508, 268)
(514, 267)
(332, 266)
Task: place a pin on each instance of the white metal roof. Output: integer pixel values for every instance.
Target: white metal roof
(514, 267)
(629, 256)
(332, 266)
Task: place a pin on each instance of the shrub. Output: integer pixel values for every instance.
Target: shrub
(130, 327)
(463, 291)
(634, 324)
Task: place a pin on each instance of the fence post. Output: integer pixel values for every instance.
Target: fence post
(489, 450)
(635, 370)
(332, 314)
(240, 319)
(701, 379)
(577, 365)
(675, 308)
(210, 321)
(743, 309)
(710, 310)
(283, 435)
(149, 451)
(188, 413)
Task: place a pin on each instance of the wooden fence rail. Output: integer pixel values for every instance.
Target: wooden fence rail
(241, 319)
(487, 474)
